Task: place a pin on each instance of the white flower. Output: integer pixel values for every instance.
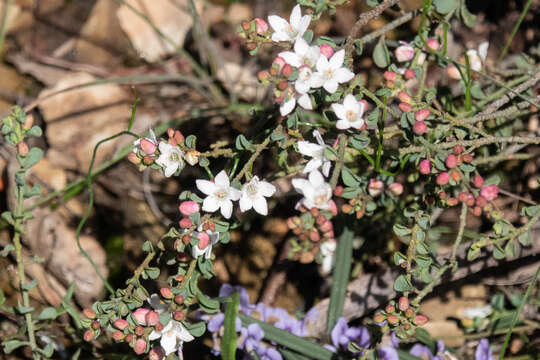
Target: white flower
(288, 106)
(220, 194)
(254, 193)
(316, 151)
(285, 31)
(137, 143)
(478, 311)
(303, 54)
(477, 58)
(328, 251)
(171, 158)
(331, 73)
(349, 113)
(317, 193)
(304, 82)
(213, 238)
(172, 336)
(404, 52)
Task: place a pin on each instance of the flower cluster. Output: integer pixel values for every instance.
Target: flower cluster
(401, 317)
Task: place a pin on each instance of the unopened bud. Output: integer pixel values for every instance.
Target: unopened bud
(409, 74)
(467, 158)
(204, 240)
(22, 148)
(421, 115)
(140, 346)
(89, 313)
(263, 76)
(246, 25)
(129, 338)
(379, 318)
(88, 335)
(451, 161)
(95, 325)
(170, 133)
(390, 309)
(405, 52)
(157, 353)
(443, 178)
(287, 70)
(420, 319)
(148, 146)
(346, 208)
(419, 128)
(326, 226)
(121, 324)
(314, 236)
(140, 315)
(133, 158)
(405, 107)
(477, 211)
(481, 201)
(326, 50)
(424, 167)
(179, 299)
(185, 223)
(395, 188)
(139, 330)
(392, 319)
(152, 318)
(375, 187)
(179, 316)
(433, 44)
(251, 46)
(403, 303)
(29, 122)
(389, 75)
(409, 313)
(455, 175)
(462, 197)
(118, 335)
(192, 157)
(490, 192)
(148, 160)
(282, 85)
(261, 26)
(478, 181)
(403, 96)
(458, 150)
(188, 208)
(166, 293)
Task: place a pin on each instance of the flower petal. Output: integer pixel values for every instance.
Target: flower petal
(234, 194)
(245, 203)
(170, 169)
(287, 107)
(291, 58)
(278, 23)
(330, 86)
(226, 208)
(318, 137)
(266, 189)
(343, 75)
(210, 204)
(260, 205)
(483, 49)
(304, 24)
(295, 18)
(343, 124)
(312, 165)
(222, 179)
(305, 102)
(206, 187)
(315, 178)
(336, 61)
(300, 185)
(169, 343)
(301, 47)
(326, 168)
(309, 149)
(339, 110)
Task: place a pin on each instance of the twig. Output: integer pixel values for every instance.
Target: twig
(388, 27)
(342, 138)
(258, 149)
(515, 92)
(517, 197)
(503, 157)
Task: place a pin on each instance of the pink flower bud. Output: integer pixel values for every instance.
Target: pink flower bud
(204, 240)
(403, 303)
(481, 201)
(443, 178)
(478, 181)
(262, 26)
(333, 207)
(419, 127)
(148, 146)
(133, 158)
(287, 70)
(263, 75)
(314, 236)
(140, 346)
(157, 353)
(165, 293)
(185, 223)
(451, 161)
(420, 320)
(424, 167)
(404, 52)
(192, 157)
(389, 75)
(118, 335)
(326, 50)
(421, 115)
(89, 313)
(22, 148)
(279, 62)
(338, 191)
(409, 74)
(326, 226)
(88, 335)
(433, 44)
(375, 187)
(453, 72)
(140, 315)
(404, 96)
(189, 207)
(152, 318)
(121, 324)
(490, 192)
(405, 107)
(395, 188)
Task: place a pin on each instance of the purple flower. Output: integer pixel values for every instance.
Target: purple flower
(483, 352)
(216, 322)
(387, 353)
(253, 334)
(423, 351)
(342, 334)
(291, 325)
(395, 340)
(268, 353)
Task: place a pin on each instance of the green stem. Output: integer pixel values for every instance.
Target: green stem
(3, 28)
(514, 30)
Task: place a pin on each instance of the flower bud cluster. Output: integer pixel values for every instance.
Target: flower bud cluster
(401, 317)
(255, 32)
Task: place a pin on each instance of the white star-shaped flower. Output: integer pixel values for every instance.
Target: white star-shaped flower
(288, 106)
(477, 57)
(171, 158)
(205, 247)
(303, 54)
(331, 73)
(316, 151)
(317, 193)
(254, 194)
(220, 194)
(172, 336)
(349, 113)
(285, 31)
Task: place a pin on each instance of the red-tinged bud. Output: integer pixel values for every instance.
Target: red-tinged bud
(433, 44)
(189, 207)
(338, 191)
(409, 313)
(170, 133)
(390, 84)
(140, 346)
(346, 208)
(148, 146)
(395, 188)
(326, 226)
(478, 181)
(274, 71)
(139, 330)
(282, 85)
(403, 96)
(420, 319)
(140, 315)
(185, 223)
(481, 201)
(442, 195)
(179, 278)
(22, 148)
(148, 160)
(279, 63)
(29, 122)
(152, 318)
(459, 160)
(297, 231)
(403, 303)
(246, 25)
(392, 319)
(204, 240)
(321, 219)
(121, 324)
(490, 192)
(455, 175)
(470, 200)
(186, 239)
(329, 234)
(424, 167)
(421, 115)
(118, 335)
(404, 52)
(157, 353)
(179, 316)
(166, 293)
(179, 299)
(452, 201)
(419, 128)
(211, 226)
(290, 223)
(462, 196)
(405, 107)
(326, 50)
(133, 158)
(406, 326)
(409, 74)
(251, 46)
(129, 338)
(89, 313)
(443, 178)
(375, 187)
(261, 26)
(390, 309)
(263, 76)
(178, 136)
(467, 158)
(314, 236)
(458, 150)
(389, 75)
(477, 211)
(88, 335)
(451, 161)
(95, 325)
(333, 207)
(287, 70)
(379, 318)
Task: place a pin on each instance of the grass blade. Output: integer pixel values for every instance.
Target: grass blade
(228, 345)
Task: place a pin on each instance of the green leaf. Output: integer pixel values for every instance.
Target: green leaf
(468, 18)
(510, 249)
(349, 179)
(340, 278)
(48, 351)
(133, 111)
(228, 344)
(401, 230)
(11, 345)
(288, 340)
(476, 92)
(291, 355)
(381, 56)
(473, 254)
(32, 158)
(152, 272)
(402, 284)
(208, 305)
(498, 252)
(404, 355)
(445, 6)
(423, 336)
(196, 329)
(497, 301)
(525, 238)
(35, 131)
